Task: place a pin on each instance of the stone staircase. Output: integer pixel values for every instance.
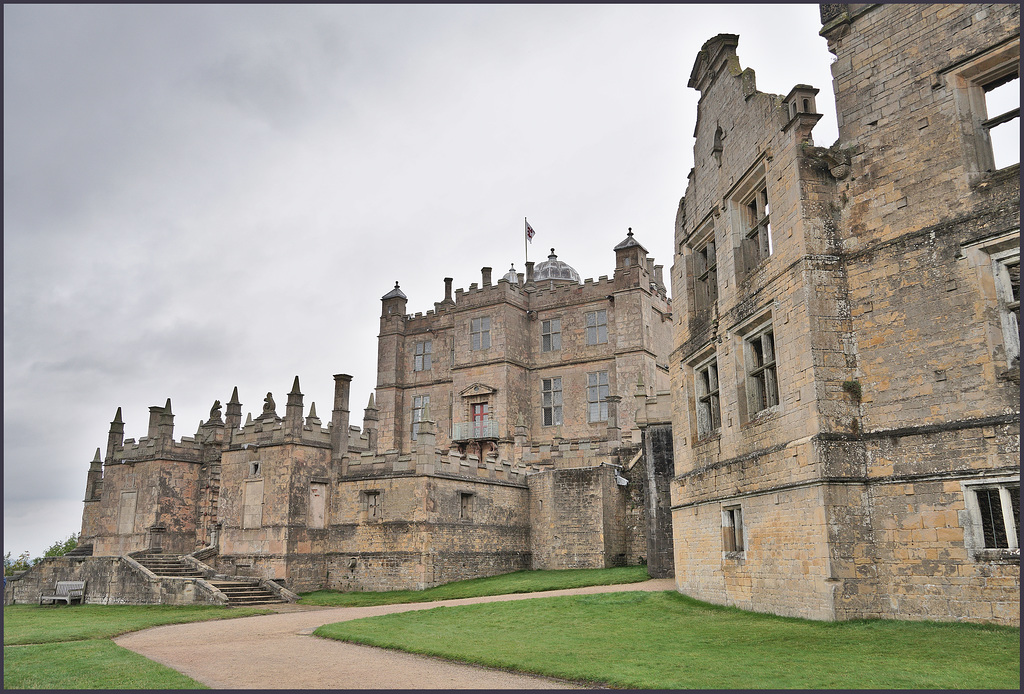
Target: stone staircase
(80, 551)
(241, 593)
(169, 565)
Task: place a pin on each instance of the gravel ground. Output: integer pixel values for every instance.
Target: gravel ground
(278, 651)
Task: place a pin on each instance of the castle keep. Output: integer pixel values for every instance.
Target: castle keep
(495, 441)
(823, 423)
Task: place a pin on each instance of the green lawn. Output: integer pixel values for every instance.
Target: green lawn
(60, 647)
(668, 641)
(518, 582)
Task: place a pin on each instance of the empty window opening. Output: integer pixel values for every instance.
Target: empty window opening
(709, 415)
(762, 379)
(705, 276)
(1002, 104)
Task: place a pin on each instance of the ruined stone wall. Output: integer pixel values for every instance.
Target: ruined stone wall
(658, 471)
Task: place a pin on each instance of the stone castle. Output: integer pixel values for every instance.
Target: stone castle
(823, 422)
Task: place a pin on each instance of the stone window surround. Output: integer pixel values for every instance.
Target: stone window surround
(370, 503)
(969, 80)
(422, 355)
(466, 506)
(996, 254)
(551, 335)
(707, 399)
(753, 242)
(704, 251)
(755, 328)
(733, 532)
(551, 401)
(971, 518)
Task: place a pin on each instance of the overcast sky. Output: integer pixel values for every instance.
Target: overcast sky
(203, 197)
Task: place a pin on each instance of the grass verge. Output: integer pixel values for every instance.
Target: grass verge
(640, 640)
(518, 582)
(69, 647)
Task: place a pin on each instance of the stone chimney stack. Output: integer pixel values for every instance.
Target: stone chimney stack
(293, 410)
(161, 421)
(485, 273)
(115, 437)
(529, 272)
(448, 290)
(339, 416)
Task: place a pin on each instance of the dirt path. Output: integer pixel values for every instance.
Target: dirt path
(278, 652)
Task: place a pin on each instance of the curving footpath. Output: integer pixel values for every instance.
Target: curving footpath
(277, 651)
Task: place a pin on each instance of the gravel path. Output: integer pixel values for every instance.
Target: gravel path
(277, 651)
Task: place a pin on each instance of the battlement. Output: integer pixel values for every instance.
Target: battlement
(159, 448)
(442, 463)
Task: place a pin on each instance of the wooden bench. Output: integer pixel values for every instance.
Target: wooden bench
(66, 591)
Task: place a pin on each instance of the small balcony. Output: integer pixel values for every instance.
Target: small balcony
(475, 431)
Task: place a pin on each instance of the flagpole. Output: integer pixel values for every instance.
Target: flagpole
(526, 240)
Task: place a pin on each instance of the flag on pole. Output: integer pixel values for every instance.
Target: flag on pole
(529, 232)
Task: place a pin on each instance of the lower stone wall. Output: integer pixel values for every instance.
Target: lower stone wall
(784, 567)
(376, 571)
(108, 581)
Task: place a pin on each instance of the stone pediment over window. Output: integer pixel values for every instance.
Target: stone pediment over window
(477, 389)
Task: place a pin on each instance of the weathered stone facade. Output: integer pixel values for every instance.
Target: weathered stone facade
(497, 447)
(846, 359)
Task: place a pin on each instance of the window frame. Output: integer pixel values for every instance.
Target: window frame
(705, 275)
(978, 522)
(551, 401)
(970, 80)
(710, 423)
(422, 355)
(1009, 305)
(761, 375)
(596, 326)
(480, 333)
(597, 396)
(551, 335)
(734, 543)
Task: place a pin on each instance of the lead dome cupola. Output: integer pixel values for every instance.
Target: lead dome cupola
(555, 269)
(511, 277)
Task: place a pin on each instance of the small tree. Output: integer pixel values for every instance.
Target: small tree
(62, 547)
(22, 563)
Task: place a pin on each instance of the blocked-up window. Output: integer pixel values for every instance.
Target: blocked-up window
(551, 401)
(317, 504)
(465, 506)
(762, 377)
(597, 396)
(126, 513)
(421, 359)
(551, 335)
(732, 529)
(420, 403)
(252, 508)
(597, 327)
(709, 414)
(480, 333)
(372, 509)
